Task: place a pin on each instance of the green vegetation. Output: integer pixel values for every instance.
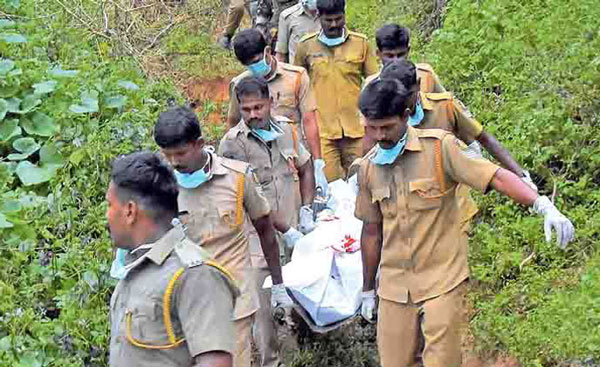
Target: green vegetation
(68, 105)
(65, 112)
(531, 72)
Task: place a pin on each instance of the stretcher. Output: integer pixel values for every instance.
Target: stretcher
(324, 276)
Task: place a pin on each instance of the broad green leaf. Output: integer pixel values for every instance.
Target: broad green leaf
(13, 104)
(26, 145)
(127, 84)
(30, 174)
(9, 129)
(6, 65)
(39, 124)
(5, 23)
(89, 103)
(59, 72)
(29, 103)
(45, 87)
(91, 279)
(15, 72)
(17, 156)
(13, 38)
(13, 3)
(10, 206)
(4, 223)
(3, 109)
(115, 101)
(49, 156)
(8, 90)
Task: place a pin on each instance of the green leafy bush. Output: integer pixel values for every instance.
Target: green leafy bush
(65, 113)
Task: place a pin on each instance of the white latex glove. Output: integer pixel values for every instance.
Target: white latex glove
(291, 236)
(320, 179)
(307, 222)
(527, 179)
(473, 150)
(565, 232)
(367, 308)
(279, 297)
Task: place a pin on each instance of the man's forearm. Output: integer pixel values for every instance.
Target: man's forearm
(508, 184)
(501, 154)
(307, 183)
(370, 243)
(213, 359)
(311, 131)
(270, 248)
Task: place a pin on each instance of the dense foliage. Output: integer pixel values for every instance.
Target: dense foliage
(66, 110)
(531, 72)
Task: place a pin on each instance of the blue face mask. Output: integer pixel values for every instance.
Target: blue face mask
(388, 156)
(330, 42)
(192, 180)
(117, 269)
(310, 4)
(416, 118)
(268, 135)
(260, 68)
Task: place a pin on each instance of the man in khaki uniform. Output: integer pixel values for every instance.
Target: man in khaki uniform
(337, 61)
(284, 170)
(290, 91)
(173, 305)
(218, 199)
(294, 23)
(235, 13)
(407, 202)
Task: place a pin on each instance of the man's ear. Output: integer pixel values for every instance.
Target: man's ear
(406, 114)
(132, 211)
(268, 50)
(408, 51)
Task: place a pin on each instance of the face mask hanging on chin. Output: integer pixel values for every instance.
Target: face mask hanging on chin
(331, 42)
(416, 118)
(260, 68)
(195, 179)
(388, 156)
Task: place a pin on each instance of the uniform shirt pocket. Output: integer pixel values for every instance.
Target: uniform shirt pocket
(382, 196)
(424, 194)
(146, 325)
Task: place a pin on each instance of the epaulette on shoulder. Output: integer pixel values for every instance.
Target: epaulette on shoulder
(308, 36)
(190, 254)
(239, 77)
(290, 67)
(360, 35)
(291, 10)
(432, 133)
(280, 118)
(235, 165)
(439, 96)
(232, 133)
(425, 67)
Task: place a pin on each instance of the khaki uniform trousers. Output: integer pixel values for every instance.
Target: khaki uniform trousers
(264, 330)
(243, 346)
(338, 155)
(235, 14)
(435, 325)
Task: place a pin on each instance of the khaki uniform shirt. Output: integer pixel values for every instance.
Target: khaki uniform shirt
(294, 23)
(336, 74)
(215, 215)
(424, 254)
(290, 91)
(202, 305)
(429, 81)
(276, 164)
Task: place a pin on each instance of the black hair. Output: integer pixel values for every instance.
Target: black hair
(331, 6)
(176, 127)
(247, 44)
(401, 70)
(383, 98)
(392, 36)
(147, 180)
(252, 85)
